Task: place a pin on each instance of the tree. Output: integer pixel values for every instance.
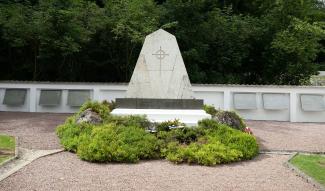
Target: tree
(294, 52)
(67, 25)
(130, 22)
(224, 41)
(20, 31)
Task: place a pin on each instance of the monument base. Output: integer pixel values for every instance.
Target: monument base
(189, 117)
(150, 103)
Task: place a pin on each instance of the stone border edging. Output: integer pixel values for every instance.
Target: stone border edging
(301, 174)
(15, 156)
(293, 151)
(28, 157)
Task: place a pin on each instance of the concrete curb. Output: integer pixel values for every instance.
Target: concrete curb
(302, 174)
(14, 157)
(275, 152)
(27, 156)
(293, 151)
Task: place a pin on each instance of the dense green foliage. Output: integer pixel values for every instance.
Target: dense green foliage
(312, 165)
(222, 41)
(112, 143)
(103, 109)
(127, 139)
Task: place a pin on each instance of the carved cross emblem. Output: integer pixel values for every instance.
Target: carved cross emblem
(160, 55)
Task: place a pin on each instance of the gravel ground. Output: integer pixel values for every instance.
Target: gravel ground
(37, 131)
(64, 171)
(288, 136)
(34, 130)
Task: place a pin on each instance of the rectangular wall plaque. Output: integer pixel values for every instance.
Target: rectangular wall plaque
(78, 97)
(50, 97)
(15, 97)
(275, 101)
(312, 102)
(245, 101)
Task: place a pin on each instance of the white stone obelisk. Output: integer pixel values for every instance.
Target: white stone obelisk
(160, 71)
(160, 74)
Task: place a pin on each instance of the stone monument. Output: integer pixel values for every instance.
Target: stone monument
(160, 87)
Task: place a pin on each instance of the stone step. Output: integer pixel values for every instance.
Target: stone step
(189, 117)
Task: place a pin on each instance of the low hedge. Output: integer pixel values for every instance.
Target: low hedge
(112, 143)
(127, 139)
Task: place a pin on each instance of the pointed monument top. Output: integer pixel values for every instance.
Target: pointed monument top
(160, 32)
(160, 72)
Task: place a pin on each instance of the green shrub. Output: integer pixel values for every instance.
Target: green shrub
(208, 123)
(182, 135)
(213, 144)
(124, 139)
(245, 143)
(110, 104)
(210, 109)
(70, 132)
(164, 126)
(130, 120)
(205, 154)
(111, 143)
(103, 110)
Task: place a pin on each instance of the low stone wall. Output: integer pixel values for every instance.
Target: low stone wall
(280, 103)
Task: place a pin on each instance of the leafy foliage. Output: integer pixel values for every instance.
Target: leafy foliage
(214, 144)
(111, 143)
(210, 110)
(103, 109)
(166, 125)
(130, 120)
(125, 139)
(233, 41)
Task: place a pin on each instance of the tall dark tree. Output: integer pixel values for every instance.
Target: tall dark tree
(223, 41)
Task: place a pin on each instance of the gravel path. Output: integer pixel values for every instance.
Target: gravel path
(287, 136)
(64, 171)
(34, 130)
(37, 131)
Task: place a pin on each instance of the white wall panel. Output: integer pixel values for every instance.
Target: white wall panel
(280, 103)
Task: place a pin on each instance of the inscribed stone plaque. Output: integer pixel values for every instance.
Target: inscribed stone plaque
(15, 97)
(146, 103)
(160, 71)
(275, 101)
(78, 97)
(245, 100)
(312, 102)
(50, 97)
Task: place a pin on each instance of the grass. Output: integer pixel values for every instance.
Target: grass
(3, 158)
(312, 165)
(7, 142)
(7, 147)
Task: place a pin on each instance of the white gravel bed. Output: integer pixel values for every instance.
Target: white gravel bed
(286, 136)
(64, 171)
